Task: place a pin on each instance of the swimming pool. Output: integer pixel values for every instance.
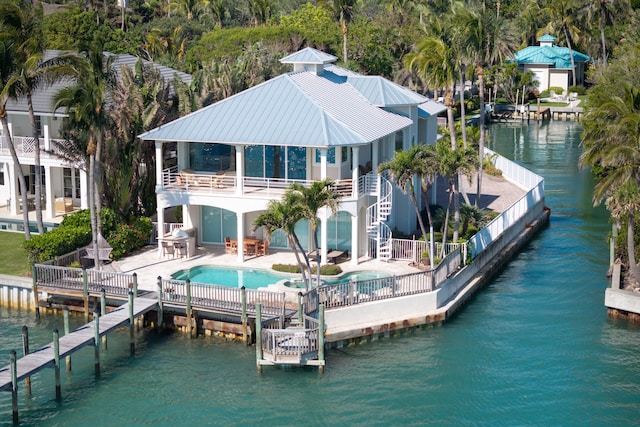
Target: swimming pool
(254, 279)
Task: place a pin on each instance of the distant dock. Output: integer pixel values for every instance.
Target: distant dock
(527, 112)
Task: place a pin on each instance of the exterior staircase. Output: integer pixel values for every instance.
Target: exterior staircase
(378, 232)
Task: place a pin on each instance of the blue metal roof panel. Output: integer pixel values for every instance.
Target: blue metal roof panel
(384, 93)
(430, 108)
(349, 107)
(558, 56)
(277, 112)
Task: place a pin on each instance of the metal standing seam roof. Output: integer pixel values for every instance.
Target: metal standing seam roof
(309, 55)
(43, 97)
(430, 108)
(384, 93)
(558, 56)
(296, 109)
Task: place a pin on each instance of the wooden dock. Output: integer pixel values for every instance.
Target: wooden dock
(68, 344)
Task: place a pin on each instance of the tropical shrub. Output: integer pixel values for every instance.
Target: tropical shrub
(60, 241)
(74, 232)
(128, 237)
(580, 90)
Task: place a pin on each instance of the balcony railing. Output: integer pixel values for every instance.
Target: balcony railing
(26, 147)
(225, 183)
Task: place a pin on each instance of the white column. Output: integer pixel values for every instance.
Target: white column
(160, 214)
(323, 163)
(323, 214)
(239, 174)
(84, 189)
(355, 239)
(13, 188)
(49, 212)
(159, 166)
(375, 158)
(355, 163)
(45, 134)
(240, 232)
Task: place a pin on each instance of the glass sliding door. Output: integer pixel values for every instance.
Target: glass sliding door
(218, 223)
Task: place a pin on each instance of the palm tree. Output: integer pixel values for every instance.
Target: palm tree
(141, 100)
(25, 24)
(624, 204)
(7, 79)
(403, 169)
(561, 15)
(488, 40)
(284, 215)
(451, 164)
(86, 104)
(436, 64)
(607, 12)
(612, 120)
(313, 198)
(344, 11)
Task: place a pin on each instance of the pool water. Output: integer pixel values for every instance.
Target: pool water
(254, 279)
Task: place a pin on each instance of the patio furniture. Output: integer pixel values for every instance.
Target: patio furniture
(180, 249)
(63, 205)
(167, 248)
(229, 246)
(262, 248)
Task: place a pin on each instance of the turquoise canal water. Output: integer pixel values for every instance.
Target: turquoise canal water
(535, 347)
(253, 278)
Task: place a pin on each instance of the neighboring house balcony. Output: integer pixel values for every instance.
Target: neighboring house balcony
(26, 147)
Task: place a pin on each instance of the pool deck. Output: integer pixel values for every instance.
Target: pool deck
(148, 265)
(498, 194)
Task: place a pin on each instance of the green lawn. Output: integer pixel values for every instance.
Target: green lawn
(13, 259)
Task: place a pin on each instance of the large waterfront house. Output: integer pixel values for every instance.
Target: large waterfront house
(224, 163)
(64, 184)
(551, 64)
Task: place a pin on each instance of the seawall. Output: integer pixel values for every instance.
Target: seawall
(384, 317)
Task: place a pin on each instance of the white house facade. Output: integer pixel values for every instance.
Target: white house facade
(552, 64)
(318, 121)
(64, 184)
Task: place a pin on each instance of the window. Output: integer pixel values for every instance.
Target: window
(39, 126)
(67, 182)
(32, 180)
(331, 156)
(1, 173)
(399, 141)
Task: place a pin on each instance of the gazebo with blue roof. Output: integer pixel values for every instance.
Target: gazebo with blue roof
(552, 64)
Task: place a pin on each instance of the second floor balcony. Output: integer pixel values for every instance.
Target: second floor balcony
(228, 183)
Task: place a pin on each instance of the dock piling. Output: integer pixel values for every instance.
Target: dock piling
(321, 337)
(132, 345)
(25, 351)
(96, 341)
(243, 293)
(103, 312)
(14, 386)
(56, 362)
(188, 309)
(66, 332)
(34, 276)
(160, 320)
(85, 295)
(259, 336)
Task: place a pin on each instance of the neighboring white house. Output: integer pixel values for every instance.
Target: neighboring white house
(551, 64)
(319, 121)
(62, 182)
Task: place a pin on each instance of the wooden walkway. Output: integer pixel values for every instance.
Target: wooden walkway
(83, 336)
